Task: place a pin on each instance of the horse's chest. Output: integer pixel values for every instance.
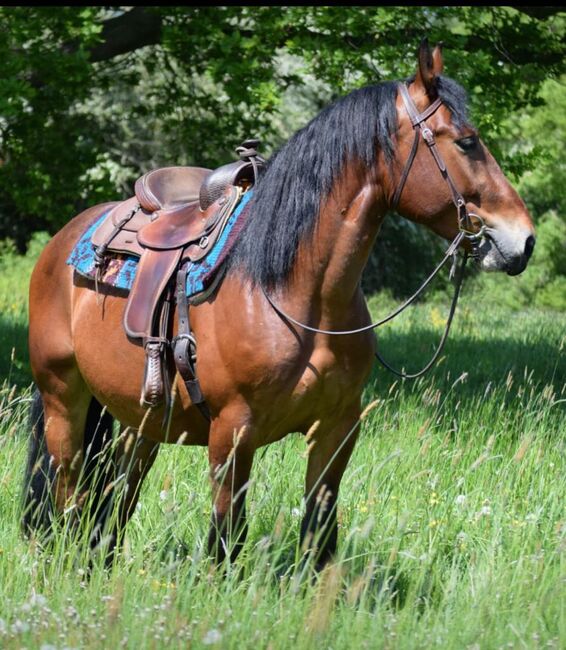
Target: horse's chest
(330, 379)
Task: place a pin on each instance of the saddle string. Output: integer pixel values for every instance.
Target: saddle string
(248, 151)
(465, 227)
(100, 259)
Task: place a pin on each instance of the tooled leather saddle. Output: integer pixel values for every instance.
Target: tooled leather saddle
(176, 216)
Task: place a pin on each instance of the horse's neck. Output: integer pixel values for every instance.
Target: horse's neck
(330, 266)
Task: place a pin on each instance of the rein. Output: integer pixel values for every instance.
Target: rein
(466, 227)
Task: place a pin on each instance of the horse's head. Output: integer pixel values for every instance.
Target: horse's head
(426, 196)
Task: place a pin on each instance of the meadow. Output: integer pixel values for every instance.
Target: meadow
(451, 521)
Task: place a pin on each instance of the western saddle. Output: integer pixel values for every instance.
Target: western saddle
(175, 217)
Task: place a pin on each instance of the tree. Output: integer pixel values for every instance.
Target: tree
(92, 96)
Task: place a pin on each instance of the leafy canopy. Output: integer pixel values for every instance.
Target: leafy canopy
(90, 97)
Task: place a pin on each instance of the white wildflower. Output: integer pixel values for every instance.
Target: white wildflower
(212, 637)
(19, 627)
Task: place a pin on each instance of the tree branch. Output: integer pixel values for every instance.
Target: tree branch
(540, 13)
(136, 28)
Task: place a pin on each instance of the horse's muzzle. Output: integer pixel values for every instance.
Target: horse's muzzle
(505, 250)
(519, 263)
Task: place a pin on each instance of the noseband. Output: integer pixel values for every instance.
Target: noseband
(470, 226)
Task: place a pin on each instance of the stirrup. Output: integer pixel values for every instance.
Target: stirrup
(155, 386)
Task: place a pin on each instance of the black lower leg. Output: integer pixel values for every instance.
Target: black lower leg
(37, 501)
(134, 465)
(319, 528)
(227, 533)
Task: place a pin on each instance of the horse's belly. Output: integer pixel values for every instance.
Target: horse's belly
(113, 369)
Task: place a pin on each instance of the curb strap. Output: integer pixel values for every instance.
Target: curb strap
(184, 346)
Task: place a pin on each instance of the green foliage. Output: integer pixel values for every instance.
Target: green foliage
(91, 97)
(538, 133)
(542, 132)
(15, 271)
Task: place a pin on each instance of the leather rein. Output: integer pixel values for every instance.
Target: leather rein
(470, 226)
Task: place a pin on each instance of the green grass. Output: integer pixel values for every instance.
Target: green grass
(452, 514)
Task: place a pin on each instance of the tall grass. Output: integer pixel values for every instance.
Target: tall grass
(451, 517)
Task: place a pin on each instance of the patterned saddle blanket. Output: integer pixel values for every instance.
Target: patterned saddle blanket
(120, 269)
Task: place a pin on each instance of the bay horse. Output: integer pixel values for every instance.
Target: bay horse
(313, 218)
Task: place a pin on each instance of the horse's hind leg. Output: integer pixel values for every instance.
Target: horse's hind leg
(41, 477)
(66, 402)
(134, 458)
(95, 476)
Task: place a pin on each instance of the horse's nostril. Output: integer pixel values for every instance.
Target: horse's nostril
(529, 246)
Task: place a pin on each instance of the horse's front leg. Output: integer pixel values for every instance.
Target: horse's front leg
(330, 448)
(134, 457)
(230, 457)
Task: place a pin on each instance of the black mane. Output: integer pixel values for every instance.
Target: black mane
(286, 201)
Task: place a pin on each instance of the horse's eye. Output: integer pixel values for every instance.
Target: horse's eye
(468, 143)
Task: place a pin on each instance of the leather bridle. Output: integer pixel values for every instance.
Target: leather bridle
(421, 129)
(470, 226)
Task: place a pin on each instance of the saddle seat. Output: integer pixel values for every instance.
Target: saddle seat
(169, 187)
(130, 229)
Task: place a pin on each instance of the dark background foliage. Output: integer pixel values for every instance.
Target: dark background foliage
(91, 97)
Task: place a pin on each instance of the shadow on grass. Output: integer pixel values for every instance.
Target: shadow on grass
(483, 359)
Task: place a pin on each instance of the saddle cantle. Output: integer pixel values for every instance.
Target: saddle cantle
(175, 218)
(242, 172)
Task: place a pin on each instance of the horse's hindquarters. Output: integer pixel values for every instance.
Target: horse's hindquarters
(78, 348)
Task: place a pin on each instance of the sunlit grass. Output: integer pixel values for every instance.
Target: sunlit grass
(451, 519)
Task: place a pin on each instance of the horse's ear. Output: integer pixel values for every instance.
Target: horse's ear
(437, 60)
(430, 66)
